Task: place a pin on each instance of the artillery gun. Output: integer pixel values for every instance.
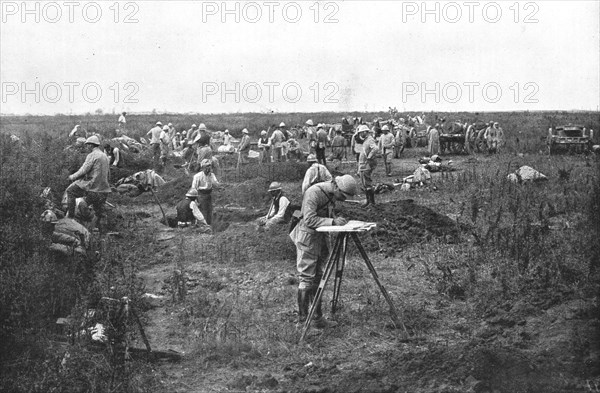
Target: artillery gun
(453, 138)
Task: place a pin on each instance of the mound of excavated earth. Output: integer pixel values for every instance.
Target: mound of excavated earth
(400, 223)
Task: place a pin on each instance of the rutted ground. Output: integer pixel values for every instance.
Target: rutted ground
(235, 325)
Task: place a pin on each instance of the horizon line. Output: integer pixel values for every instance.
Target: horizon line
(168, 113)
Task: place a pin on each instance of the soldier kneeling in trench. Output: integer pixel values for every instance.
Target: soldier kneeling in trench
(280, 210)
(188, 213)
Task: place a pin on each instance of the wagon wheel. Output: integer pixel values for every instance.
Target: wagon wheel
(456, 147)
(480, 145)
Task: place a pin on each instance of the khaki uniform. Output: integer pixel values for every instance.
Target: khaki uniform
(367, 162)
(311, 246)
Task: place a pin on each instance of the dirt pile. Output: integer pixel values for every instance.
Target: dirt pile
(250, 193)
(400, 223)
(170, 193)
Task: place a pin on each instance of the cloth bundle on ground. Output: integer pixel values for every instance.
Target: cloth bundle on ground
(226, 149)
(380, 188)
(419, 177)
(70, 238)
(434, 163)
(141, 181)
(525, 174)
(127, 144)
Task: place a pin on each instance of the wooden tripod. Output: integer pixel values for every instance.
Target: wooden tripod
(337, 260)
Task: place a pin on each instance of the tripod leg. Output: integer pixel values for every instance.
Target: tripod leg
(339, 273)
(397, 320)
(328, 268)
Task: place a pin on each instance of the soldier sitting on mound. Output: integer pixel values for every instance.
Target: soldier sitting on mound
(279, 211)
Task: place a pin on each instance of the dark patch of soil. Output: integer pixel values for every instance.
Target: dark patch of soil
(173, 191)
(250, 193)
(400, 223)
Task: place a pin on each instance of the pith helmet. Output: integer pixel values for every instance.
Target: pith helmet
(206, 162)
(311, 158)
(275, 186)
(385, 128)
(309, 122)
(202, 127)
(363, 128)
(94, 140)
(49, 216)
(347, 185)
(192, 193)
(282, 124)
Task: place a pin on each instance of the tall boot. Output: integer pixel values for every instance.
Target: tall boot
(304, 298)
(70, 205)
(372, 196)
(367, 197)
(319, 321)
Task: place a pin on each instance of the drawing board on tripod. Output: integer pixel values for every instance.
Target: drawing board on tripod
(337, 260)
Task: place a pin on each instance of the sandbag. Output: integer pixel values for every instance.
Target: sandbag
(226, 149)
(67, 250)
(421, 175)
(71, 228)
(526, 173)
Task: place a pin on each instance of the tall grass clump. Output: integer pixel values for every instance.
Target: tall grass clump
(37, 287)
(540, 235)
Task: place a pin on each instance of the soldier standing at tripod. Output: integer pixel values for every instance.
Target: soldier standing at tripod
(311, 246)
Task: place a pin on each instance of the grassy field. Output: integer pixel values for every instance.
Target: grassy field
(498, 282)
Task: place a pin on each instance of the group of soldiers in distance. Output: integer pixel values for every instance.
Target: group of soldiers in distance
(279, 143)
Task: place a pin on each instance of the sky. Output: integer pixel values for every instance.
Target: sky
(303, 56)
